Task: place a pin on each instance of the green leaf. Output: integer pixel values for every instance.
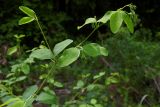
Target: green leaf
(58, 84)
(98, 105)
(42, 54)
(12, 50)
(94, 50)
(54, 105)
(79, 85)
(59, 47)
(106, 17)
(88, 21)
(21, 36)
(116, 21)
(111, 80)
(15, 67)
(27, 11)
(29, 102)
(47, 98)
(48, 90)
(25, 20)
(99, 75)
(19, 103)
(29, 60)
(29, 91)
(85, 105)
(25, 68)
(10, 101)
(90, 87)
(93, 101)
(103, 51)
(21, 78)
(68, 56)
(128, 21)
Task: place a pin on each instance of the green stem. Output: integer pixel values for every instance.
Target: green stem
(87, 36)
(40, 27)
(49, 72)
(82, 90)
(40, 87)
(128, 5)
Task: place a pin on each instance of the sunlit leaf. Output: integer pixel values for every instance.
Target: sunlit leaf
(25, 68)
(85, 105)
(42, 54)
(68, 56)
(90, 87)
(12, 50)
(128, 21)
(46, 98)
(29, 91)
(94, 49)
(116, 21)
(19, 103)
(88, 21)
(59, 47)
(58, 84)
(54, 105)
(27, 11)
(25, 20)
(103, 51)
(99, 75)
(10, 101)
(21, 78)
(106, 17)
(79, 85)
(93, 101)
(111, 80)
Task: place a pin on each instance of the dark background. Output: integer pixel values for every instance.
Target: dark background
(60, 16)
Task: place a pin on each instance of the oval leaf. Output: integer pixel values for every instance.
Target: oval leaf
(94, 50)
(19, 103)
(58, 84)
(103, 51)
(27, 11)
(79, 85)
(128, 21)
(12, 50)
(11, 100)
(25, 20)
(88, 21)
(42, 54)
(47, 98)
(59, 47)
(21, 78)
(106, 17)
(116, 21)
(69, 56)
(29, 91)
(25, 68)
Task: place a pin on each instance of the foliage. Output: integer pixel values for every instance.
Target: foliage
(33, 77)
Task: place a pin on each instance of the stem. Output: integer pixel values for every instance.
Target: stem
(143, 98)
(40, 27)
(90, 34)
(87, 36)
(40, 87)
(83, 89)
(128, 5)
(156, 83)
(49, 72)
